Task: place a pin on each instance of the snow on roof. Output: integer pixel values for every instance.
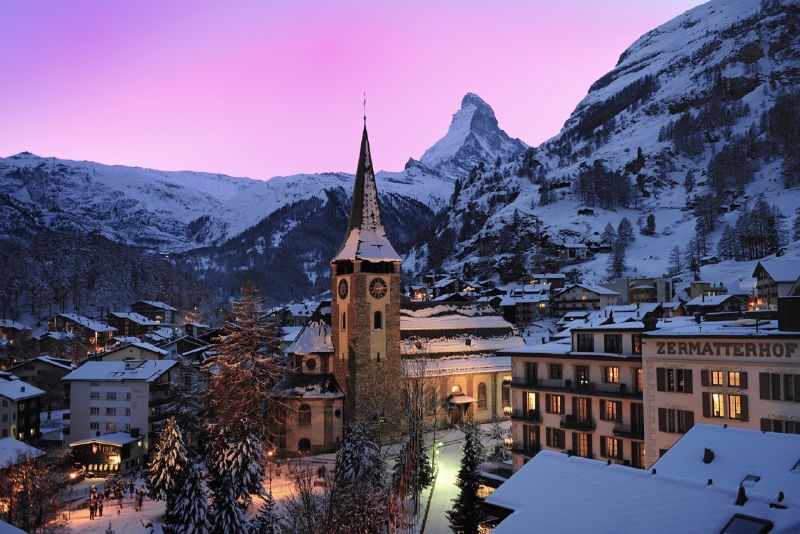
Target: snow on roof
(369, 244)
(58, 362)
(308, 386)
(524, 299)
(554, 347)
(290, 333)
(444, 282)
(574, 245)
(57, 336)
(709, 301)
(135, 318)
(314, 338)
(575, 315)
(12, 451)
(551, 487)
(16, 390)
(780, 270)
(427, 316)
(91, 324)
(12, 325)
(147, 370)
(143, 345)
(738, 454)
(458, 365)
(114, 438)
(600, 290)
(157, 304)
(686, 326)
(628, 325)
(300, 309)
(551, 276)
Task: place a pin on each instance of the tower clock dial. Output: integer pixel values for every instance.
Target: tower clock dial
(342, 290)
(377, 288)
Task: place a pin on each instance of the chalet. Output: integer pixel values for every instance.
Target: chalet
(131, 323)
(522, 310)
(160, 312)
(45, 372)
(12, 452)
(774, 279)
(574, 252)
(554, 280)
(58, 344)
(578, 297)
(12, 331)
(295, 314)
(195, 329)
(715, 304)
(133, 350)
(92, 334)
(650, 290)
(445, 286)
(709, 289)
(184, 345)
(20, 404)
(418, 292)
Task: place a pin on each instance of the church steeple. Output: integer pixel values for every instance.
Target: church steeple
(366, 238)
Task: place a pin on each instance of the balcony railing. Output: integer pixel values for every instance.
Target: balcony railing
(526, 450)
(530, 416)
(628, 431)
(571, 386)
(577, 423)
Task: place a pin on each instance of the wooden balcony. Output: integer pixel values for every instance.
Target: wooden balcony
(576, 423)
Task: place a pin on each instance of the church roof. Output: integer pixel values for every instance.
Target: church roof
(366, 238)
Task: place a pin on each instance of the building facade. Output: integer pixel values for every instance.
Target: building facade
(20, 404)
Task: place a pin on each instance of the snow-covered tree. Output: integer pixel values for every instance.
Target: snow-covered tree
(466, 513)
(167, 468)
(688, 182)
(413, 471)
(609, 235)
(238, 459)
(266, 521)
(498, 434)
(187, 405)
(191, 506)
(650, 226)
(675, 261)
(625, 233)
(796, 228)
(246, 366)
(616, 261)
(227, 517)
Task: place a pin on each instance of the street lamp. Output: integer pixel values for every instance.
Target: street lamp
(270, 454)
(72, 477)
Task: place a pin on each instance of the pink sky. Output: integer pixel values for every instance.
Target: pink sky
(258, 88)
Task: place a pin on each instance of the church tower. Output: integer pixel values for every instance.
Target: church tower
(365, 304)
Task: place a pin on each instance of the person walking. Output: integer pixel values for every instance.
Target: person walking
(91, 509)
(100, 506)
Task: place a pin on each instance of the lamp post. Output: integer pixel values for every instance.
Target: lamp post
(270, 454)
(69, 498)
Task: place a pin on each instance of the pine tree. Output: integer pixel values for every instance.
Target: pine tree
(625, 234)
(675, 261)
(266, 521)
(191, 506)
(650, 228)
(466, 513)
(609, 235)
(237, 458)
(616, 261)
(227, 517)
(727, 248)
(688, 183)
(167, 468)
(246, 366)
(694, 251)
(796, 228)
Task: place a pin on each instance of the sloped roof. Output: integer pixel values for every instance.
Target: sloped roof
(91, 324)
(12, 451)
(781, 271)
(146, 370)
(17, 390)
(308, 386)
(315, 338)
(157, 304)
(135, 318)
(710, 301)
(600, 290)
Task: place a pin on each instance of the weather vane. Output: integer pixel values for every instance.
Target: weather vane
(365, 107)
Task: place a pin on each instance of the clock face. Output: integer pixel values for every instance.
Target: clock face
(342, 289)
(377, 288)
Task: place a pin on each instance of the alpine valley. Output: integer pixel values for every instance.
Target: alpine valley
(698, 124)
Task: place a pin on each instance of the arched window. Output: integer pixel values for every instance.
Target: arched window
(344, 321)
(481, 396)
(304, 414)
(304, 445)
(377, 321)
(455, 389)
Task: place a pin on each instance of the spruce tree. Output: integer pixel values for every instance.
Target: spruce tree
(498, 434)
(796, 228)
(675, 263)
(625, 232)
(266, 521)
(466, 513)
(616, 261)
(650, 227)
(609, 235)
(191, 506)
(167, 468)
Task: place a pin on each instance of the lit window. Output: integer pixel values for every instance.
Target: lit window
(734, 379)
(482, 396)
(612, 448)
(716, 378)
(584, 297)
(611, 411)
(735, 406)
(556, 404)
(612, 375)
(583, 445)
(717, 405)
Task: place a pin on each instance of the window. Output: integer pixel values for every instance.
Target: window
(555, 371)
(582, 375)
(111, 411)
(777, 425)
(612, 446)
(583, 410)
(716, 378)
(128, 395)
(613, 343)
(304, 445)
(583, 447)
(5, 417)
(585, 342)
(111, 427)
(482, 396)
(770, 385)
(94, 426)
(344, 321)
(639, 380)
(611, 375)
(638, 455)
(555, 438)
(555, 404)
(612, 411)
(111, 395)
(506, 395)
(636, 343)
(311, 364)
(94, 395)
(735, 406)
(674, 380)
(94, 410)
(377, 322)
(530, 373)
(789, 392)
(776, 387)
(127, 411)
(304, 414)
(734, 379)
(530, 401)
(717, 405)
(679, 421)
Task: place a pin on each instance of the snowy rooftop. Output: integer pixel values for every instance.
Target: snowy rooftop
(12, 451)
(115, 438)
(600, 290)
(44, 358)
(158, 304)
(710, 301)
(426, 316)
(147, 370)
(315, 338)
(135, 318)
(549, 489)
(290, 333)
(458, 365)
(556, 347)
(308, 386)
(686, 326)
(17, 390)
(143, 345)
(12, 325)
(57, 336)
(780, 270)
(91, 324)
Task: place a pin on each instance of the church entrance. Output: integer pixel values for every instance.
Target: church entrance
(459, 407)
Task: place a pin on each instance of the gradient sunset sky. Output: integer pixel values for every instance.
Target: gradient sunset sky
(264, 88)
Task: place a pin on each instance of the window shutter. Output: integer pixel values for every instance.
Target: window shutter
(589, 443)
(547, 402)
(575, 407)
(706, 405)
(704, 377)
(689, 418)
(619, 411)
(661, 379)
(797, 388)
(589, 408)
(687, 380)
(744, 408)
(662, 419)
(602, 410)
(743, 379)
(764, 386)
(766, 425)
(575, 442)
(548, 436)
(603, 445)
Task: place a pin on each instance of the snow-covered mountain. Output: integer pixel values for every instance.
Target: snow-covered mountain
(712, 94)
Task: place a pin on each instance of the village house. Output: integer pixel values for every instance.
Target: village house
(13, 332)
(131, 349)
(699, 288)
(774, 279)
(554, 280)
(642, 290)
(12, 452)
(93, 335)
(580, 297)
(160, 312)
(715, 304)
(20, 404)
(45, 372)
(574, 252)
(131, 323)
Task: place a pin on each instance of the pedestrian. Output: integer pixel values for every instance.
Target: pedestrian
(91, 509)
(100, 506)
(141, 498)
